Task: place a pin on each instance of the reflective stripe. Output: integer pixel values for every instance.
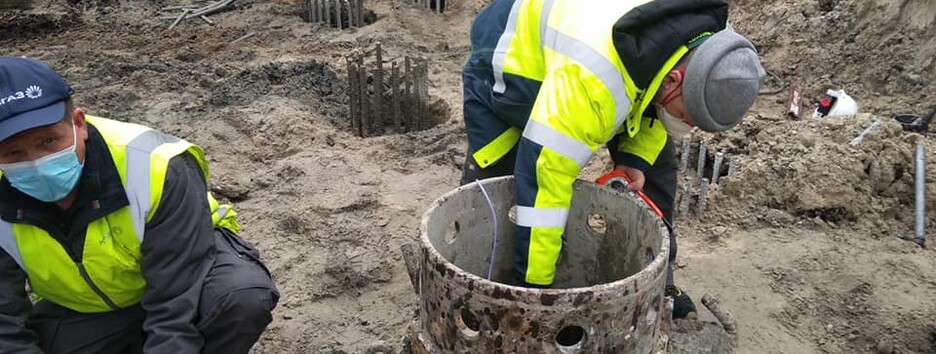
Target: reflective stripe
(541, 217)
(603, 68)
(496, 149)
(138, 175)
(222, 212)
(500, 52)
(544, 19)
(8, 243)
(558, 142)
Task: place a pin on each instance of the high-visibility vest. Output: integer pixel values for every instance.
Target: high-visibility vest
(109, 275)
(550, 37)
(562, 56)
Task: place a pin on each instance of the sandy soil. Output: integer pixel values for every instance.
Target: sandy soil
(801, 244)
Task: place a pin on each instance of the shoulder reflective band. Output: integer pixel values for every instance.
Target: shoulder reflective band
(558, 142)
(503, 44)
(8, 243)
(138, 175)
(544, 19)
(541, 217)
(591, 59)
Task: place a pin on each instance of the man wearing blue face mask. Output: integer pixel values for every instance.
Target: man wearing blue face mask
(114, 229)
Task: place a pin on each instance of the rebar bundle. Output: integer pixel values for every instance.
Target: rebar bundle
(379, 105)
(340, 14)
(434, 5)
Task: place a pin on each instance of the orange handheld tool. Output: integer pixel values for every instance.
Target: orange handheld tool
(619, 180)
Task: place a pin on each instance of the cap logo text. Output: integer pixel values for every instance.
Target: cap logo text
(31, 92)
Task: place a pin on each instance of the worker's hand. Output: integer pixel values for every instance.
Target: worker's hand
(637, 177)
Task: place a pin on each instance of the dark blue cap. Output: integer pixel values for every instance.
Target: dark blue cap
(32, 95)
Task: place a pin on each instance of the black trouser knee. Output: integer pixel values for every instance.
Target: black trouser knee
(237, 298)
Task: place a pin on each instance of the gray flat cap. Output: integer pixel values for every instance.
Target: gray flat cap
(722, 81)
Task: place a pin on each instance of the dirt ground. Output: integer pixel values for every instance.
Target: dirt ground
(800, 244)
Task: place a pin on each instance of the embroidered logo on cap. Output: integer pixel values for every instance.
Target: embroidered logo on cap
(31, 92)
(34, 92)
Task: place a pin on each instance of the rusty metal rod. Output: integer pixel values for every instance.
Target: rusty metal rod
(353, 92)
(338, 14)
(721, 314)
(411, 260)
(703, 195)
(408, 94)
(180, 18)
(244, 37)
(378, 89)
(395, 96)
(716, 167)
(424, 93)
(685, 198)
(365, 99)
(920, 191)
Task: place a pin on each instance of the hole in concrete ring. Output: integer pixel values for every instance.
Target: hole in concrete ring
(649, 255)
(597, 224)
(570, 338)
(512, 214)
(653, 315)
(468, 324)
(451, 233)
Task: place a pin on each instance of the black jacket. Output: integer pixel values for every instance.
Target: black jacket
(178, 249)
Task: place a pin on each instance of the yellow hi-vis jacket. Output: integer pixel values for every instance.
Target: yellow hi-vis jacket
(563, 56)
(109, 276)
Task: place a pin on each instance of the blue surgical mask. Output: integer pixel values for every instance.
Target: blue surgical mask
(49, 178)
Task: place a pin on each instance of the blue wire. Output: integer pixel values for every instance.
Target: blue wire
(494, 217)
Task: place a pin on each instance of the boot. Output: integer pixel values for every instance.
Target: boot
(683, 307)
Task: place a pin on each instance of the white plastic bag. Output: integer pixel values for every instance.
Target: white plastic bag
(841, 105)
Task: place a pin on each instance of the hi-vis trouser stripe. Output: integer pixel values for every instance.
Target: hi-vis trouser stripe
(138, 175)
(8, 243)
(541, 217)
(503, 44)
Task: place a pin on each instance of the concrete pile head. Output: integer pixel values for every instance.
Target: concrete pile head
(608, 291)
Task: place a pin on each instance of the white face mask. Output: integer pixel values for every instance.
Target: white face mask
(676, 127)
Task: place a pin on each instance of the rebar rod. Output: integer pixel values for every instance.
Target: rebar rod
(365, 99)
(338, 14)
(320, 7)
(180, 18)
(684, 158)
(244, 37)
(700, 171)
(408, 93)
(378, 90)
(353, 92)
(212, 8)
(721, 314)
(424, 93)
(685, 198)
(920, 184)
(716, 167)
(703, 195)
(311, 7)
(395, 95)
(327, 12)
